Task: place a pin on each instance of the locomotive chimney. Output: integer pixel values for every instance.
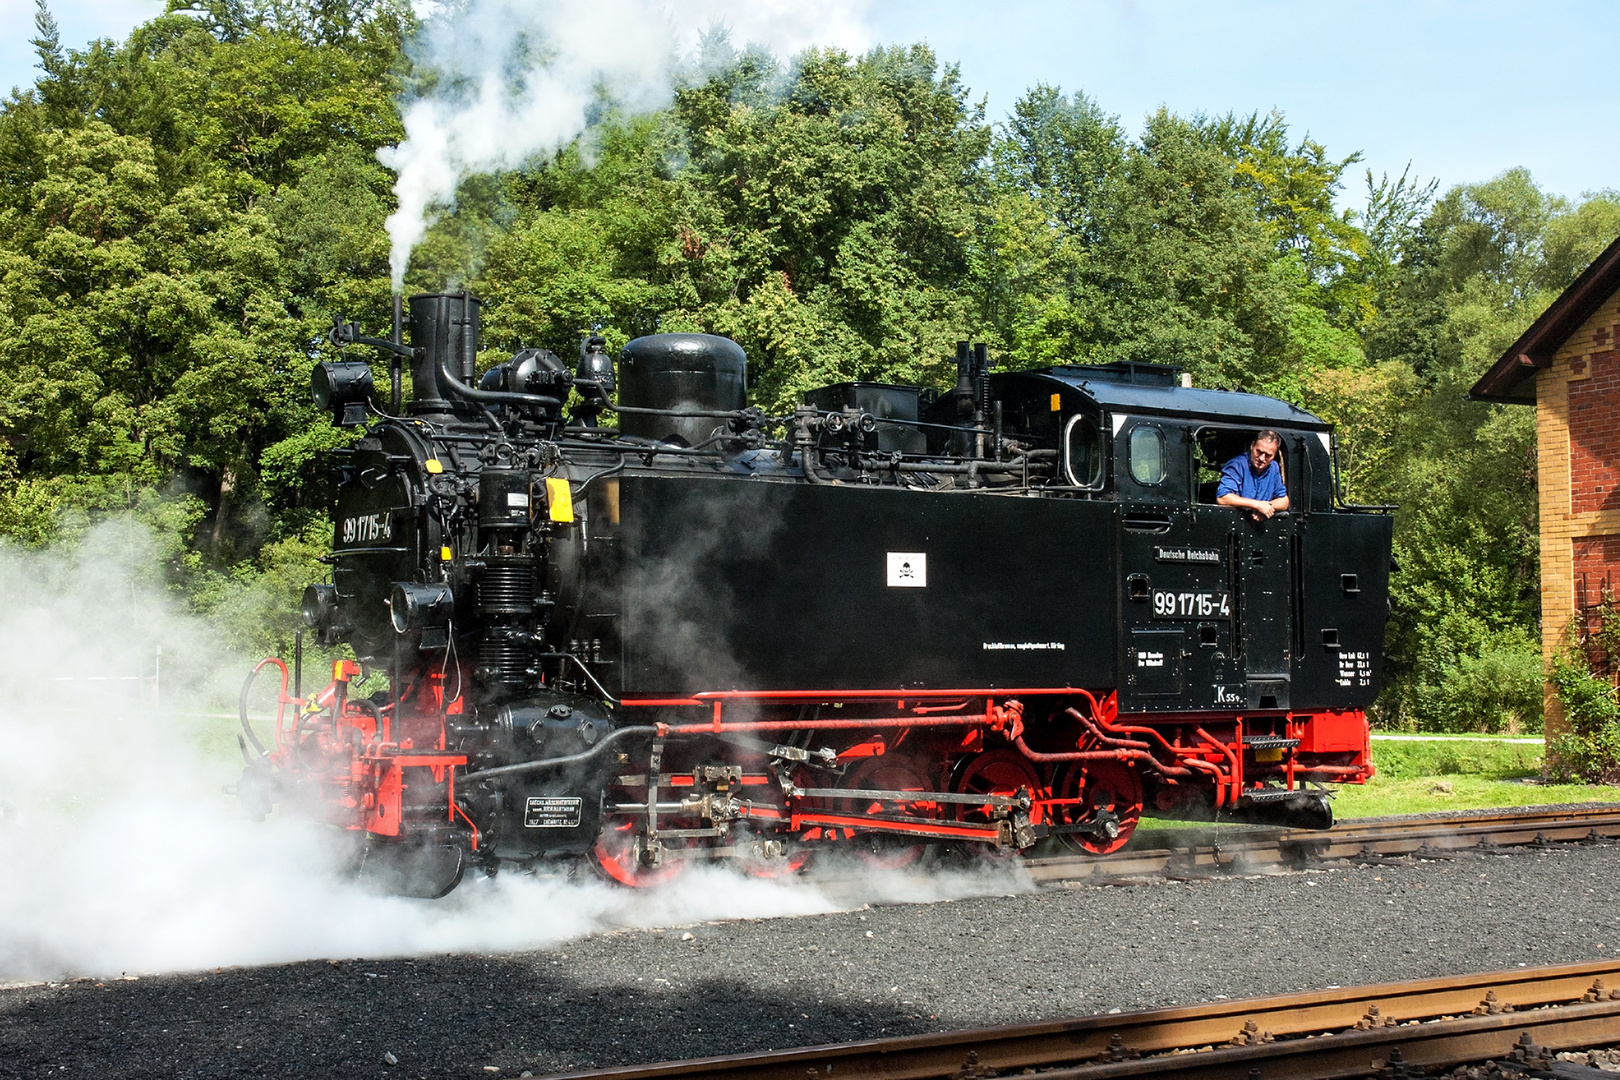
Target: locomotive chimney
(397, 336)
(444, 326)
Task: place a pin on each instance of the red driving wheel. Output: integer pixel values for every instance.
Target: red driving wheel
(890, 772)
(618, 855)
(1105, 794)
(997, 772)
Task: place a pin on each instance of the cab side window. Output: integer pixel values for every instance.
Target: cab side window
(1217, 446)
(1082, 451)
(1147, 456)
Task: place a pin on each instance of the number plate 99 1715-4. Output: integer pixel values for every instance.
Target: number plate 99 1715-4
(1169, 604)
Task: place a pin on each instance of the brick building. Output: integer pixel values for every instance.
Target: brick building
(1568, 367)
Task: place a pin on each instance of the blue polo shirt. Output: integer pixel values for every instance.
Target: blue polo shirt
(1238, 479)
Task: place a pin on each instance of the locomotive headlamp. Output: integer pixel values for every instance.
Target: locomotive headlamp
(342, 387)
(415, 606)
(320, 608)
(320, 605)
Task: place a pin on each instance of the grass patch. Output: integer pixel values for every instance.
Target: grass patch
(1449, 736)
(1473, 774)
(1404, 760)
(1427, 794)
(1419, 777)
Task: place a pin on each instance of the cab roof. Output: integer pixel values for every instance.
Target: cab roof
(1153, 388)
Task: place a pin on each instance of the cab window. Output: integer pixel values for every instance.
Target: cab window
(1082, 451)
(1214, 447)
(1147, 454)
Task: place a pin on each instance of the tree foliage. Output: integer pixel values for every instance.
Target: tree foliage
(183, 213)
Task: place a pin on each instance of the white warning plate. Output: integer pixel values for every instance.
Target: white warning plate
(908, 570)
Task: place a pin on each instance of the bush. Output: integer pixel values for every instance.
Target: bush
(1584, 678)
(1496, 690)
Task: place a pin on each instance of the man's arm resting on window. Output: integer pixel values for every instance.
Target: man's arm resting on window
(1259, 506)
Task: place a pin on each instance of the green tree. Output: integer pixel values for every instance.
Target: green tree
(179, 218)
(821, 218)
(1194, 244)
(1472, 274)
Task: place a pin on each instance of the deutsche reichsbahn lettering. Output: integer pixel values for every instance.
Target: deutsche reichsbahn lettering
(1209, 556)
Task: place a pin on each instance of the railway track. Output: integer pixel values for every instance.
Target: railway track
(1373, 1031)
(1255, 850)
(1366, 1031)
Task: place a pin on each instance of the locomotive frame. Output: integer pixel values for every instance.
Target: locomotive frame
(894, 619)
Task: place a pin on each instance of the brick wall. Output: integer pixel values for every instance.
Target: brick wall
(1578, 474)
(1594, 431)
(1596, 564)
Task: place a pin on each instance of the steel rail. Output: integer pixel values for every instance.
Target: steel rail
(1354, 1031)
(1372, 838)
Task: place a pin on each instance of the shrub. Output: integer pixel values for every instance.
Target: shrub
(1584, 678)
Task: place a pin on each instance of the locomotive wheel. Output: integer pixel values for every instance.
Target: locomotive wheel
(763, 855)
(1110, 793)
(617, 856)
(420, 871)
(997, 772)
(890, 851)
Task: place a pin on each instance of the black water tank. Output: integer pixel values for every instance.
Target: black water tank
(699, 372)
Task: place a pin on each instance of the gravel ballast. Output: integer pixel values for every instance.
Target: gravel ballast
(687, 991)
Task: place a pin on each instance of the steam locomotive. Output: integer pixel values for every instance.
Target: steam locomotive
(894, 620)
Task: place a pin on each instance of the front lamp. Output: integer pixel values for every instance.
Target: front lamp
(343, 388)
(427, 609)
(320, 605)
(320, 608)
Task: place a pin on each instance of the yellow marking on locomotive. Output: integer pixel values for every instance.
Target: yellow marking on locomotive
(445, 554)
(560, 499)
(434, 466)
(1057, 402)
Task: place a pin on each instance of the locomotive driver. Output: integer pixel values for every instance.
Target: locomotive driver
(1253, 481)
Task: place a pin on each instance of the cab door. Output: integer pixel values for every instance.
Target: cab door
(1341, 594)
(1262, 553)
(1174, 586)
(1249, 655)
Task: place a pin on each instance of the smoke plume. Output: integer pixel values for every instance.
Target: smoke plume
(122, 853)
(508, 80)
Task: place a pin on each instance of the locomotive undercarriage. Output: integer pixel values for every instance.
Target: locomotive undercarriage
(769, 782)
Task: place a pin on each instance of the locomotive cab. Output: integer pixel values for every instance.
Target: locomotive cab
(1279, 619)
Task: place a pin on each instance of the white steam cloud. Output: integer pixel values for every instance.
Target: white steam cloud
(121, 854)
(518, 78)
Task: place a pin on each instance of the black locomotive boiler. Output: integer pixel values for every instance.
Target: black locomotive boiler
(896, 618)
